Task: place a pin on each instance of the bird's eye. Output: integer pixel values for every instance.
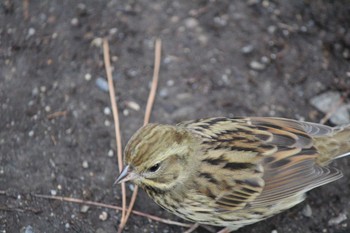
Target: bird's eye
(154, 168)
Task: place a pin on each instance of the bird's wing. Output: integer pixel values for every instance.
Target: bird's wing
(258, 162)
(292, 169)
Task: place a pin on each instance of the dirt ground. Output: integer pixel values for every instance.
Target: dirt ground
(219, 58)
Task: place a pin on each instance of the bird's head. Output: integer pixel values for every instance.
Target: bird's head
(157, 156)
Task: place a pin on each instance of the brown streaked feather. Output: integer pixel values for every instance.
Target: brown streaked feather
(285, 148)
(312, 129)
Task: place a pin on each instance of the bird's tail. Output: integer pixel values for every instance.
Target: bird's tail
(334, 144)
(342, 139)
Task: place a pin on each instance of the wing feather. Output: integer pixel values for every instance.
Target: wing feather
(284, 149)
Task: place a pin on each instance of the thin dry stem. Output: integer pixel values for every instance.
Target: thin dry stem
(26, 9)
(57, 114)
(132, 202)
(92, 203)
(116, 120)
(148, 111)
(152, 93)
(192, 228)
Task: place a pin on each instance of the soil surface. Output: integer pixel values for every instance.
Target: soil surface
(219, 58)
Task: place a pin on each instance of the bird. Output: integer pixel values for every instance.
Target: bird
(233, 172)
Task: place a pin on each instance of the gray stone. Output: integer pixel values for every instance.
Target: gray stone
(326, 102)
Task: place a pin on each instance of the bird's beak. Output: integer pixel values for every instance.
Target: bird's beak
(125, 175)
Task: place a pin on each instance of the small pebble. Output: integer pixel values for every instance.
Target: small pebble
(325, 103)
(222, 20)
(171, 82)
(54, 35)
(131, 187)
(85, 164)
(69, 131)
(132, 73)
(225, 78)
(43, 89)
(169, 59)
(126, 112)
(247, 49)
(35, 91)
(74, 21)
(163, 92)
(103, 216)
(303, 29)
(31, 133)
(67, 225)
(29, 229)
(271, 29)
(274, 231)
(97, 42)
(265, 4)
(53, 192)
(132, 105)
(265, 60)
(59, 187)
(114, 58)
(307, 211)
(257, 65)
(110, 153)
(107, 111)
(82, 9)
(102, 84)
(174, 19)
(191, 22)
(338, 219)
(31, 32)
(87, 77)
(107, 123)
(113, 31)
(203, 39)
(84, 208)
(273, 56)
(285, 32)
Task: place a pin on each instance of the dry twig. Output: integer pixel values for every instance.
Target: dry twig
(92, 203)
(116, 121)
(26, 9)
(192, 228)
(56, 114)
(152, 93)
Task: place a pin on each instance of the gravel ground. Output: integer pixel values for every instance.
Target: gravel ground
(219, 58)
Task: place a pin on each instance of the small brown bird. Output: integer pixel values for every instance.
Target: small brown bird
(233, 172)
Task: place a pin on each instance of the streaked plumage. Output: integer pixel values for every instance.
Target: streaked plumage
(233, 172)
